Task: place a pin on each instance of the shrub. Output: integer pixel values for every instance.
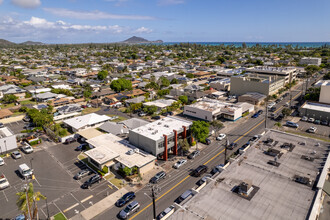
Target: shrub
(193, 143)
(35, 142)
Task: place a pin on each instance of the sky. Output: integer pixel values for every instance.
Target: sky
(102, 21)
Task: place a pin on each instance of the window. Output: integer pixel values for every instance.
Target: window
(161, 144)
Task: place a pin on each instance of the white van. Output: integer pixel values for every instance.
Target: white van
(25, 171)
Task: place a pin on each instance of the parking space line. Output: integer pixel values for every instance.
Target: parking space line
(110, 187)
(5, 196)
(37, 181)
(71, 207)
(77, 200)
(43, 213)
(85, 199)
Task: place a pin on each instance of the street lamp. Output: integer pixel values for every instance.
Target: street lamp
(31, 163)
(5, 141)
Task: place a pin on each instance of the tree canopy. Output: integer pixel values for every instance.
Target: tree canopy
(150, 109)
(200, 130)
(9, 98)
(183, 99)
(121, 85)
(102, 74)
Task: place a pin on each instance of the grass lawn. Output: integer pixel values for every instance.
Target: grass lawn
(90, 110)
(120, 118)
(8, 105)
(27, 102)
(59, 216)
(117, 182)
(17, 114)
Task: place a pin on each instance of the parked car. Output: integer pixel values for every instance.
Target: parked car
(2, 162)
(166, 213)
(272, 109)
(94, 179)
(217, 168)
(131, 208)
(255, 115)
(3, 182)
(292, 124)
(207, 141)
(2, 125)
(165, 114)
(254, 138)
(125, 199)
(260, 112)
(324, 122)
(25, 170)
(170, 113)
(221, 137)
(70, 140)
(156, 117)
(317, 122)
(16, 154)
(184, 196)
(158, 177)
(82, 147)
(312, 129)
(311, 120)
(304, 118)
(203, 179)
(193, 154)
(27, 119)
(232, 145)
(142, 114)
(19, 217)
(246, 145)
(199, 171)
(26, 148)
(82, 173)
(179, 163)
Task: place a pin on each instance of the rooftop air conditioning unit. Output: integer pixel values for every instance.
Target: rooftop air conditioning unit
(136, 150)
(130, 152)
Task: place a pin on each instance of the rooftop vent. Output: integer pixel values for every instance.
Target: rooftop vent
(302, 180)
(130, 152)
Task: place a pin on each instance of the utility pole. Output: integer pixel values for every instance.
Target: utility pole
(226, 146)
(47, 210)
(153, 202)
(266, 112)
(27, 198)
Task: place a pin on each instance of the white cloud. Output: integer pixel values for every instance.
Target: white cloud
(26, 3)
(143, 30)
(170, 2)
(47, 31)
(93, 15)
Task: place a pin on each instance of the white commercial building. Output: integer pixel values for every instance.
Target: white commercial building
(210, 109)
(325, 91)
(86, 121)
(7, 140)
(311, 61)
(289, 73)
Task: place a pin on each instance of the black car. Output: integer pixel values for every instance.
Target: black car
(272, 109)
(70, 140)
(260, 112)
(165, 114)
(207, 141)
(199, 171)
(157, 177)
(232, 146)
(125, 199)
(246, 145)
(157, 117)
(193, 154)
(170, 113)
(82, 147)
(94, 179)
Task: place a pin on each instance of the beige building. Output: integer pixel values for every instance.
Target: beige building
(251, 82)
(289, 73)
(311, 61)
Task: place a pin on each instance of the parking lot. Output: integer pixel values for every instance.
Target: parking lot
(16, 127)
(54, 168)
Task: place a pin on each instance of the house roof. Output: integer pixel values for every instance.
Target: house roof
(89, 133)
(85, 120)
(5, 113)
(114, 128)
(133, 123)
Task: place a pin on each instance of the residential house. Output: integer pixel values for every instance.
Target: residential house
(86, 121)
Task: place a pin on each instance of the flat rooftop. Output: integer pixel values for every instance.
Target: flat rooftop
(155, 130)
(278, 197)
(322, 83)
(5, 132)
(109, 147)
(268, 69)
(160, 103)
(316, 106)
(214, 106)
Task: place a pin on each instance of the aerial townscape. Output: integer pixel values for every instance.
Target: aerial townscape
(109, 114)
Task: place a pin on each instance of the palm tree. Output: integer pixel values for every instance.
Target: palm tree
(27, 201)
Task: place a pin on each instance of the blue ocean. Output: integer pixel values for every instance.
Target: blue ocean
(251, 44)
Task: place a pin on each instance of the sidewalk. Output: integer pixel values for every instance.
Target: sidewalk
(100, 206)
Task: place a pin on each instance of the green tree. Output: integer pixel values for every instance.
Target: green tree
(163, 92)
(190, 75)
(150, 109)
(62, 91)
(28, 95)
(183, 99)
(152, 85)
(136, 106)
(9, 98)
(286, 112)
(184, 144)
(200, 130)
(121, 85)
(311, 69)
(87, 93)
(27, 201)
(174, 81)
(164, 82)
(102, 74)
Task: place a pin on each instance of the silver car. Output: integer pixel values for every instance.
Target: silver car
(16, 154)
(131, 208)
(178, 164)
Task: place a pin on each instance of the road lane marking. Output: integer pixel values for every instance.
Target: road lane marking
(110, 187)
(71, 207)
(89, 197)
(249, 131)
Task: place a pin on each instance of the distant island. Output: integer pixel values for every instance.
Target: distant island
(4, 42)
(32, 43)
(139, 40)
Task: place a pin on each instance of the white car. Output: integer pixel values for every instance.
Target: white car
(26, 148)
(221, 137)
(3, 182)
(304, 118)
(312, 129)
(178, 164)
(2, 162)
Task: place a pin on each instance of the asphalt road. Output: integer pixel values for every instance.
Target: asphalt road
(178, 181)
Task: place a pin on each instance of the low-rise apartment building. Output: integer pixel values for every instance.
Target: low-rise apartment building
(289, 73)
(310, 61)
(251, 82)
